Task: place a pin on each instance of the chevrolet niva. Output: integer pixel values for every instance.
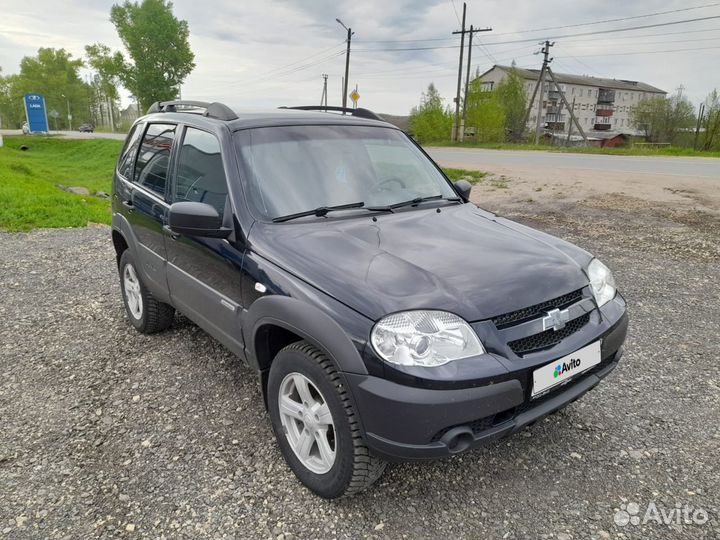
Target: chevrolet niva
(387, 317)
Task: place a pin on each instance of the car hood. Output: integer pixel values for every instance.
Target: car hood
(460, 259)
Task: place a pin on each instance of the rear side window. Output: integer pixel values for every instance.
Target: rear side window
(200, 173)
(127, 157)
(151, 168)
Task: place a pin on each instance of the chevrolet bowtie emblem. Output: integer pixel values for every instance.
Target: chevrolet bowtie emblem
(556, 319)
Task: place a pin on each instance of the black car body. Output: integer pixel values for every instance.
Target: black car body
(260, 284)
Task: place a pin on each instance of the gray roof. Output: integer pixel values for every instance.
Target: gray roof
(618, 84)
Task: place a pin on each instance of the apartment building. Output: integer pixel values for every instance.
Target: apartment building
(601, 105)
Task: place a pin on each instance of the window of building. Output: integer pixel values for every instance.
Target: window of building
(151, 169)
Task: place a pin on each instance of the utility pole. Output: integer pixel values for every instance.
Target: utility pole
(460, 126)
(701, 113)
(540, 84)
(69, 115)
(567, 141)
(323, 98)
(347, 63)
(456, 135)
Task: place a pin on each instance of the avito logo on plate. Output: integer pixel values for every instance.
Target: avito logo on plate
(560, 369)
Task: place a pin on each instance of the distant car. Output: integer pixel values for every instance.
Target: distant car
(86, 128)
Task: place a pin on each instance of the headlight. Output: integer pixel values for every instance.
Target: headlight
(602, 282)
(424, 338)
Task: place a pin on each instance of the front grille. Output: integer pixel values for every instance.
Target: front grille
(548, 338)
(532, 312)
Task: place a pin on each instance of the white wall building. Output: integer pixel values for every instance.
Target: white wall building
(601, 105)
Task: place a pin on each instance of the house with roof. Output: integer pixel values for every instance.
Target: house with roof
(602, 106)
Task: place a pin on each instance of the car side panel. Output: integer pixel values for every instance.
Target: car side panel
(292, 304)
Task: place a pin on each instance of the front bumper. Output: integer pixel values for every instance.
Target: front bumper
(406, 423)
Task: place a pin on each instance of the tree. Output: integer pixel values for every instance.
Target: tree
(157, 44)
(431, 122)
(711, 122)
(108, 66)
(663, 118)
(512, 97)
(55, 74)
(485, 113)
(11, 110)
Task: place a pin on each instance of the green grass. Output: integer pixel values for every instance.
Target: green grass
(29, 196)
(628, 151)
(471, 176)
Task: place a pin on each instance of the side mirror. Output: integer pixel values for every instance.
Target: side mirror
(196, 219)
(463, 188)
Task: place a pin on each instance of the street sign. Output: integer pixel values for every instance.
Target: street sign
(36, 113)
(54, 114)
(354, 96)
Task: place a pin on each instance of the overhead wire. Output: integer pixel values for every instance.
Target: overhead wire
(529, 40)
(602, 21)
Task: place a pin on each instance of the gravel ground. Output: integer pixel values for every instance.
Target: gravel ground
(109, 433)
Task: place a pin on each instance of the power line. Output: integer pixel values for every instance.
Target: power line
(530, 40)
(452, 2)
(648, 52)
(650, 42)
(603, 21)
(274, 76)
(610, 20)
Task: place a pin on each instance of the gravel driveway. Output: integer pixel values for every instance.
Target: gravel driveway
(109, 433)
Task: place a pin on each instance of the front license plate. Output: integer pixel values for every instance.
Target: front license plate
(565, 368)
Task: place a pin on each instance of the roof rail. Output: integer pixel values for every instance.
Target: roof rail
(360, 112)
(216, 110)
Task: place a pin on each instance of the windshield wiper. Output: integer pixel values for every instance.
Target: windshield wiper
(320, 211)
(412, 202)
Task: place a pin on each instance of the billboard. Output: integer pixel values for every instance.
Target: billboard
(36, 113)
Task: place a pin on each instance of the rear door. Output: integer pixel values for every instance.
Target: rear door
(147, 202)
(204, 274)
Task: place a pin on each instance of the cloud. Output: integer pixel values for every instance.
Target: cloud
(266, 54)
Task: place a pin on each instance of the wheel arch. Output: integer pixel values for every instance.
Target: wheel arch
(273, 322)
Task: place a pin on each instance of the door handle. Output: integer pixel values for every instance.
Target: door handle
(168, 231)
(129, 205)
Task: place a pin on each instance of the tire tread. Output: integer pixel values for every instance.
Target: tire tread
(366, 467)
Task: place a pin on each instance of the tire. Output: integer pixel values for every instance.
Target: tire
(354, 469)
(147, 314)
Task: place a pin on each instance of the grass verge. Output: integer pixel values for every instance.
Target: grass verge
(29, 196)
(628, 151)
(29, 193)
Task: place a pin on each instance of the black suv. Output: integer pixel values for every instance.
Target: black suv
(387, 317)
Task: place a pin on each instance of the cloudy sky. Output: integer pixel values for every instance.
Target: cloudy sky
(253, 54)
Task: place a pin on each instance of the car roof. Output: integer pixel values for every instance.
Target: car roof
(266, 118)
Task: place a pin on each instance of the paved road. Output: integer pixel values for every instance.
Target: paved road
(72, 134)
(481, 159)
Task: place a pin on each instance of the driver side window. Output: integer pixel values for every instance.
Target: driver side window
(397, 167)
(151, 169)
(200, 172)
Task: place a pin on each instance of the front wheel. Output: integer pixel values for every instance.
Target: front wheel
(146, 314)
(316, 425)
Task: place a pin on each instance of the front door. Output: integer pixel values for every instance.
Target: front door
(147, 206)
(204, 274)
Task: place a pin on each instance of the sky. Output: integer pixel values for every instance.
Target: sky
(265, 54)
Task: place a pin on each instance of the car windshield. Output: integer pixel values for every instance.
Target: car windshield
(294, 169)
